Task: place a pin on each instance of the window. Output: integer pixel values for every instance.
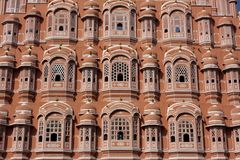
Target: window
(119, 20)
(58, 72)
(45, 73)
(106, 72)
(40, 131)
(185, 131)
(181, 73)
(61, 23)
(105, 130)
(120, 129)
(120, 71)
(71, 72)
(169, 73)
(237, 135)
(134, 71)
(2, 134)
(53, 131)
(172, 132)
(135, 128)
(15, 6)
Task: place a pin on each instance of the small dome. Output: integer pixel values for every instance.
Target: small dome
(22, 116)
(151, 107)
(236, 111)
(152, 117)
(90, 13)
(231, 61)
(90, 51)
(3, 108)
(147, 4)
(88, 116)
(29, 59)
(203, 15)
(147, 13)
(225, 21)
(209, 60)
(34, 13)
(215, 109)
(7, 60)
(91, 4)
(24, 107)
(11, 19)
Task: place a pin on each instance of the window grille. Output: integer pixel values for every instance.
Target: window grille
(106, 72)
(181, 73)
(120, 71)
(105, 130)
(237, 135)
(135, 128)
(2, 132)
(193, 73)
(67, 130)
(172, 132)
(40, 131)
(70, 73)
(185, 131)
(134, 71)
(169, 74)
(120, 129)
(53, 131)
(58, 72)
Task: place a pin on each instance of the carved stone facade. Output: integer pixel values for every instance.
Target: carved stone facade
(119, 79)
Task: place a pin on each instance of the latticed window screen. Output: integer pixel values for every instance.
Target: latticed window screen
(172, 132)
(18, 133)
(2, 132)
(106, 72)
(135, 128)
(151, 72)
(181, 73)
(120, 129)
(147, 134)
(237, 135)
(199, 130)
(153, 134)
(185, 131)
(134, 71)
(119, 20)
(86, 134)
(58, 72)
(120, 71)
(169, 73)
(68, 130)
(81, 134)
(53, 131)
(105, 130)
(40, 131)
(217, 135)
(193, 73)
(70, 72)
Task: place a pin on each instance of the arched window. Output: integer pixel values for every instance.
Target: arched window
(61, 22)
(172, 132)
(40, 131)
(169, 74)
(186, 133)
(58, 72)
(120, 21)
(45, 73)
(105, 130)
(237, 135)
(120, 129)
(70, 72)
(120, 71)
(54, 131)
(181, 73)
(106, 72)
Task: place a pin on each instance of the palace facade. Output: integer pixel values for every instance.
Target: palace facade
(119, 80)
